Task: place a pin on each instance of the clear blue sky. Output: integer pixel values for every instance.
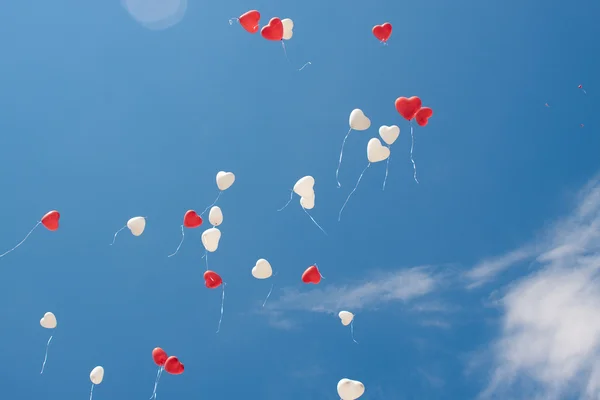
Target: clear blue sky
(104, 119)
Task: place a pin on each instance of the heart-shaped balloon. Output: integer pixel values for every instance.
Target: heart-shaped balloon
(274, 30)
(308, 202)
(191, 219)
(249, 21)
(212, 280)
(136, 225)
(211, 238)
(408, 107)
(48, 321)
(346, 317)
(50, 220)
(288, 28)
(423, 115)
(262, 269)
(225, 180)
(159, 356)
(389, 134)
(349, 389)
(311, 275)
(174, 366)
(305, 186)
(358, 120)
(383, 31)
(97, 375)
(376, 151)
(215, 216)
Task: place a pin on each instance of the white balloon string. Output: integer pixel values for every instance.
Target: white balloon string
(180, 243)
(92, 391)
(337, 172)
(270, 291)
(158, 375)
(287, 58)
(584, 92)
(387, 167)
(304, 66)
(233, 19)
(313, 220)
(352, 331)
(213, 203)
(46, 355)
(412, 136)
(352, 192)
(116, 233)
(205, 256)
(289, 201)
(222, 304)
(21, 242)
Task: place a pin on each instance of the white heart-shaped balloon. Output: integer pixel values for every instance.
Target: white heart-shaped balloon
(137, 225)
(349, 389)
(97, 375)
(359, 121)
(288, 28)
(215, 216)
(225, 180)
(305, 186)
(308, 202)
(389, 134)
(376, 151)
(210, 239)
(346, 317)
(48, 321)
(262, 269)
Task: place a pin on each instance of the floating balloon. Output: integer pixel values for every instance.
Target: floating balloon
(212, 280)
(389, 134)
(96, 376)
(349, 389)
(422, 116)
(50, 221)
(311, 275)
(383, 31)
(262, 269)
(582, 89)
(225, 180)
(347, 318)
(408, 107)
(159, 356)
(191, 220)
(48, 321)
(358, 121)
(249, 21)
(136, 225)
(211, 238)
(305, 186)
(308, 203)
(376, 152)
(215, 216)
(273, 31)
(288, 28)
(174, 366)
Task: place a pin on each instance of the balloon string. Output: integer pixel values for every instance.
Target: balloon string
(116, 233)
(205, 256)
(313, 220)
(21, 242)
(233, 19)
(387, 167)
(213, 203)
(46, 355)
(352, 192)
(352, 331)
(289, 201)
(337, 172)
(270, 291)
(304, 66)
(180, 243)
(287, 58)
(222, 304)
(412, 136)
(92, 391)
(158, 375)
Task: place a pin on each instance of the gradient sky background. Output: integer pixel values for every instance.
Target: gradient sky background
(483, 272)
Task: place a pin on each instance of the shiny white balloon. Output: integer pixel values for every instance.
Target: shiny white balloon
(349, 389)
(225, 180)
(262, 269)
(215, 216)
(97, 375)
(389, 134)
(359, 121)
(288, 28)
(48, 321)
(377, 152)
(136, 225)
(305, 186)
(211, 238)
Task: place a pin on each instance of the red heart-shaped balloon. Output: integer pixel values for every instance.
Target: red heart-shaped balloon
(159, 356)
(423, 115)
(191, 219)
(311, 275)
(274, 30)
(212, 280)
(173, 366)
(249, 21)
(408, 107)
(50, 220)
(383, 32)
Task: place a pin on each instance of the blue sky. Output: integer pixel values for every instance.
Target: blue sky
(479, 281)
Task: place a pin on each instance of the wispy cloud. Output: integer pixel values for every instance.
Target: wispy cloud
(549, 346)
(488, 269)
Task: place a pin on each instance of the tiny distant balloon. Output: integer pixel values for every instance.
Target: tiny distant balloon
(383, 31)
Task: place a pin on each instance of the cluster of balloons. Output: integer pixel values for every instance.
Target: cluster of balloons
(276, 30)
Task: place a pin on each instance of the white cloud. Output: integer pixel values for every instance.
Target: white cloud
(488, 269)
(549, 346)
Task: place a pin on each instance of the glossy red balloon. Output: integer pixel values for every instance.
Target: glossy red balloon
(249, 21)
(274, 30)
(212, 280)
(408, 107)
(191, 219)
(173, 366)
(50, 220)
(423, 115)
(311, 275)
(383, 31)
(159, 356)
